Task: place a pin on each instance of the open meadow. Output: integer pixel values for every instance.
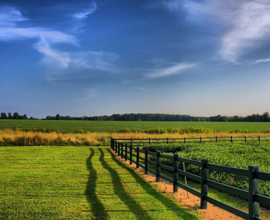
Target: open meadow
(99, 133)
(77, 183)
(49, 171)
(133, 126)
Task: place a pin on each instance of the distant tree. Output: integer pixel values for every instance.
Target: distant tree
(57, 117)
(16, 115)
(24, 116)
(3, 115)
(265, 117)
(10, 115)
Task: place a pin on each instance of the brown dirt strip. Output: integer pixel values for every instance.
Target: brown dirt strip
(186, 200)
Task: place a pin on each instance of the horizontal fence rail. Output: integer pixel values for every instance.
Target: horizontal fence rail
(194, 140)
(137, 155)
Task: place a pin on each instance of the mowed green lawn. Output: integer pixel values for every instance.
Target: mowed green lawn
(77, 183)
(112, 126)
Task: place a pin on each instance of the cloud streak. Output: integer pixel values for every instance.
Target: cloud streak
(172, 70)
(10, 18)
(83, 14)
(251, 29)
(246, 22)
(267, 60)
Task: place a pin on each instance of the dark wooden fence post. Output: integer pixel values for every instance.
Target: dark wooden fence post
(146, 161)
(253, 189)
(246, 139)
(204, 186)
(126, 152)
(131, 141)
(200, 139)
(158, 167)
(138, 159)
(122, 150)
(231, 138)
(130, 155)
(112, 142)
(116, 144)
(259, 138)
(119, 152)
(185, 140)
(168, 140)
(149, 140)
(217, 139)
(175, 172)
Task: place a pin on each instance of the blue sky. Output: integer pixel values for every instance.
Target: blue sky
(90, 58)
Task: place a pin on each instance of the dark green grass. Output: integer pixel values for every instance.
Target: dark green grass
(113, 126)
(77, 183)
(239, 155)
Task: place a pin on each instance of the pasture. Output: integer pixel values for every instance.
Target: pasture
(239, 155)
(77, 183)
(130, 126)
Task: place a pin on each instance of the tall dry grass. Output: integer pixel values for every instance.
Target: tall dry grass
(23, 138)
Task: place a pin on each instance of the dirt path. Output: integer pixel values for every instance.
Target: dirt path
(188, 201)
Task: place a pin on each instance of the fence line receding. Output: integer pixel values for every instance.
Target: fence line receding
(142, 157)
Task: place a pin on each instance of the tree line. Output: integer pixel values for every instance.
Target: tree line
(166, 117)
(15, 115)
(149, 117)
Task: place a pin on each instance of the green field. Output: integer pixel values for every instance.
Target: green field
(77, 183)
(115, 126)
(239, 155)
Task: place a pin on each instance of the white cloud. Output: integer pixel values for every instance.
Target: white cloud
(172, 70)
(9, 16)
(39, 33)
(251, 27)
(52, 58)
(94, 60)
(246, 22)
(77, 60)
(83, 14)
(46, 39)
(267, 60)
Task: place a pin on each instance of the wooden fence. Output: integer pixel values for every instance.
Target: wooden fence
(194, 140)
(135, 154)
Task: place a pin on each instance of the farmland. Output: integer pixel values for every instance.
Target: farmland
(61, 175)
(93, 133)
(130, 126)
(239, 155)
(77, 183)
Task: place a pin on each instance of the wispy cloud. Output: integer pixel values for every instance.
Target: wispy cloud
(139, 88)
(251, 27)
(267, 60)
(172, 70)
(83, 14)
(10, 18)
(246, 22)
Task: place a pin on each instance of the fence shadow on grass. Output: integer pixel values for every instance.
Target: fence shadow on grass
(168, 203)
(119, 190)
(97, 207)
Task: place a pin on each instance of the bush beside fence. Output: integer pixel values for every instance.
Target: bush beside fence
(126, 151)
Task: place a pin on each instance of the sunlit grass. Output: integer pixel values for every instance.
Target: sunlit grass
(23, 138)
(140, 126)
(77, 183)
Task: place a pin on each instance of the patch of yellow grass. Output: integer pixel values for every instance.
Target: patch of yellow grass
(22, 138)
